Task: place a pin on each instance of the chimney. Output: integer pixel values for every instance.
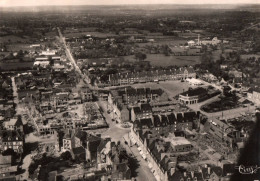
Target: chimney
(209, 170)
(192, 174)
(172, 171)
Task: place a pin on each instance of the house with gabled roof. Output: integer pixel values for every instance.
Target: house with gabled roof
(14, 124)
(211, 173)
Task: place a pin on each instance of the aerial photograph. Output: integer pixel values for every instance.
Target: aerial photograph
(129, 90)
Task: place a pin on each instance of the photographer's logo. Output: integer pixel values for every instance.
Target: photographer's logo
(247, 169)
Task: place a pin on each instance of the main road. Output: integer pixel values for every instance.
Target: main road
(72, 60)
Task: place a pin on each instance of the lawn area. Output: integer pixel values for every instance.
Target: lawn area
(165, 61)
(172, 88)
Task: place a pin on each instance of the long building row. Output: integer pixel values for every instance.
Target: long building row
(151, 76)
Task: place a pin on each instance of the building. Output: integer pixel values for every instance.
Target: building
(14, 124)
(11, 139)
(199, 94)
(158, 152)
(191, 43)
(151, 76)
(192, 96)
(111, 157)
(194, 82)
(43, 64)
(214, 41)
(164, 123)
(68, 141)
(179, 144)
(141, 112)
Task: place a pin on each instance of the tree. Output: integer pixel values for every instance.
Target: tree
(66, 156)
(60, 135)
(140, 56)
(9, 151)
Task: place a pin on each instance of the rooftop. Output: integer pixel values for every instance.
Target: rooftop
(175, 141)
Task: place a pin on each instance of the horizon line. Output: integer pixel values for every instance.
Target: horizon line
(186, 4)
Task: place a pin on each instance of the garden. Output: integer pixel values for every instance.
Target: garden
(224, 103)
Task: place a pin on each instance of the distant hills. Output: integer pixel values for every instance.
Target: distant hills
(149, 7)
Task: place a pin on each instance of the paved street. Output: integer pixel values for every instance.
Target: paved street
(117, 133)
(15, 94)
(114, 131)
(72, 60)
(143, 171)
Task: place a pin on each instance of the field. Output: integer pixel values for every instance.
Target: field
(92, 33)
(16, 66)
(164, 61)
(216, 55)
(172, 88)
(170, 42)
(19, 46)
(13, 39)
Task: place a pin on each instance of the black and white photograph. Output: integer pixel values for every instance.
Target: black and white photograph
(129, 90)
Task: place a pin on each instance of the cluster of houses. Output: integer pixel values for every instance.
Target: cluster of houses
(151, 76)
(102, 153)
(50, 91)
(223, 137)
(11, 131)
(120, 100)
(161, 139)
(7, 107)
(11, 147)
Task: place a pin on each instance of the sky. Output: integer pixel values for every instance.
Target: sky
(118, 2)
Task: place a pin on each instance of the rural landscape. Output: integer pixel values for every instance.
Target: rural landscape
(137, 92)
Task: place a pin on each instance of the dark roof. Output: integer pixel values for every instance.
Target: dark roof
(157, 120)
(176, 176)
(93, 145)
(180, 117)
(228, 168)
(194, 92)
(172, 118)
(137, 110)
(78, 150)
(145, 122)
(146, 107)
(8, 135)
(189, 116)
(164, 120)
(216, 170)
